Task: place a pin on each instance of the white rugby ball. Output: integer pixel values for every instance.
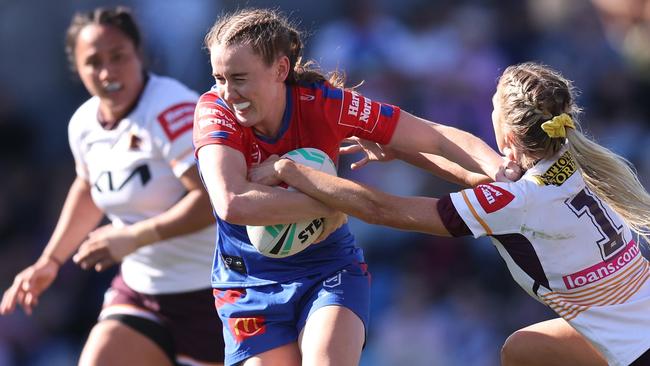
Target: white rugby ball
(279, 241)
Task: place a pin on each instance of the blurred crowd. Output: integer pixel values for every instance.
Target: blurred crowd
(434, 301)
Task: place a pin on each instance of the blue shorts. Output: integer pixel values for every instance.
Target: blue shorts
(258, 319)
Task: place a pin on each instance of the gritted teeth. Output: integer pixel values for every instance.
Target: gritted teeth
(113, 86)
(241, 106)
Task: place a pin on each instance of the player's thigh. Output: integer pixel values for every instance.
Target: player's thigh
(333, 335)
(286, 355)
(113, 343)
(552, 342)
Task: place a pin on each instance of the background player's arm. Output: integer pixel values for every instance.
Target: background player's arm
(239, 201)
(78, 217)
(107, 245)
(192, 213)
(371, 205)
(414, 134)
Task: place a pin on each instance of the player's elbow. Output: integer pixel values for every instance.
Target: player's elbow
(230, 208)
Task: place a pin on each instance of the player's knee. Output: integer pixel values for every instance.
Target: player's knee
(513, 351)
(98, 344)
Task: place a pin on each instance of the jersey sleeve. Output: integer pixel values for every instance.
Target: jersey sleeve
(172, 130)
(487, 209)
(214, 123)
(352, 114)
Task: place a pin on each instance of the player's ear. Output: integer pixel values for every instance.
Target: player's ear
(510, 151)
(282, 68)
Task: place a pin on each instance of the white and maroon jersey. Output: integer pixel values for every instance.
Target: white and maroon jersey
(134, 172)
(567, 248)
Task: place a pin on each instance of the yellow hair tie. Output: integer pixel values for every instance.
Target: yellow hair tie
(556, 126)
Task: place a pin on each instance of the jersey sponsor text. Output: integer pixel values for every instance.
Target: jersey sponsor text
(604, 269)
(559, 172)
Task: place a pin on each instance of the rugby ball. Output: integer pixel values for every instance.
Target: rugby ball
(280, 241)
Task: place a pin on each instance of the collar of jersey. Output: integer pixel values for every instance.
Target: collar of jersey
(541, 166)
(286, 120)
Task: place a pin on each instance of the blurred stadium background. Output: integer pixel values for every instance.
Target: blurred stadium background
(435, 301)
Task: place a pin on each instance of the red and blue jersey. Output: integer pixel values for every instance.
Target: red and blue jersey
(317, 115)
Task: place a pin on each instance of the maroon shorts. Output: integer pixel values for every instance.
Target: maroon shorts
(185, 325)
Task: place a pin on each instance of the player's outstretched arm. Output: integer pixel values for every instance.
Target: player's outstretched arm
(414, 134)
(444, 168)
(369, 204)
(434, 164)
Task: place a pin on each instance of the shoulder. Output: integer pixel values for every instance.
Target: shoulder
(212, 98)
(320, 90)
(84, 115)
(212, 113)
(166, 89)
(167, 102)
(210, 105)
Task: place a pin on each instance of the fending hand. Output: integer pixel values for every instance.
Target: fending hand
(373, 151)
(509, 171)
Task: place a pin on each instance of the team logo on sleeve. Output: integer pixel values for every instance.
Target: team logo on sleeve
(177, 119)
(492, 198)
(359, 112)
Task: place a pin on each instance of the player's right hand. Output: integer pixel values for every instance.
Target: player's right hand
(373, 151)
(28, 286)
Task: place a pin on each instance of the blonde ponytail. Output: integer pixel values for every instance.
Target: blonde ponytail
(613, 179)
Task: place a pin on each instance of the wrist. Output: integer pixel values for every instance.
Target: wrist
(145, 232)
(50, 258)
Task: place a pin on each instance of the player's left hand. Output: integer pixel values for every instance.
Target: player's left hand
(330, 224)
(265, 173)
(105, 247)
(373, 151)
